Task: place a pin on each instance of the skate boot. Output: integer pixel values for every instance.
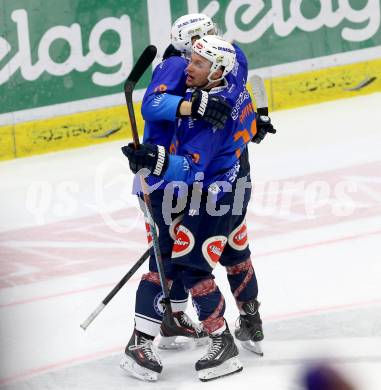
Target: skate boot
(140, 358)
(221, 358)
(249, 331)
(190, 330)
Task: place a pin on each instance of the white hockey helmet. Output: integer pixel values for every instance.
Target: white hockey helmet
(190, 26)
(219, 52)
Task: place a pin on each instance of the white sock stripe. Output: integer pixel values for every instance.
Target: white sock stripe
(203, 103)
(147, 318)
(179, 306)
(160, 160)
(147, 325)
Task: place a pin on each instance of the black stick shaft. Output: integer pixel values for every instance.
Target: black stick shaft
(126, 277)
(142, 64)
(140, 67)
(115, 290)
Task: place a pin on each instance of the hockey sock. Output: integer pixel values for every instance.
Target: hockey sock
(179, 296)
(209, 303)
(219, 330)
(148, 309)
(243, 282)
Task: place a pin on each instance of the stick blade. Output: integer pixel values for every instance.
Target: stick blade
(144, 61)
(142, 64)
(259, 91)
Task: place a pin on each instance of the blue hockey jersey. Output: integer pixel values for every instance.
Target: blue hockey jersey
(159, 105)
(159, 111)
(198, 147)
(161, 99)
(237, 78)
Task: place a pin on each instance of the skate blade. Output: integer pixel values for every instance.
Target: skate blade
(178, 343)
(229, 367)
(170, 343)
(129, 365)
(253, 346)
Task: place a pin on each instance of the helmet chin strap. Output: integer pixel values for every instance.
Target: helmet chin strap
(211, 81)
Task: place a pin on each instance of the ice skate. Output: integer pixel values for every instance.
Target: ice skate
(192, 333)
(221, 358)
(249, 331)
(140, 358)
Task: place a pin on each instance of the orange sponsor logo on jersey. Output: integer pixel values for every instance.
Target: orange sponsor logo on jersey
(195, 157)
(173, 147)
(161, 88)
(247, 110)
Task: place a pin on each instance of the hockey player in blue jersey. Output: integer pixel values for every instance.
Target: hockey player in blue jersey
(239, 276)
(215, 154)
(157, 107)
(163, 95)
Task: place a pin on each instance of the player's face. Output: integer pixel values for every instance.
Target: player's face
(198, 71)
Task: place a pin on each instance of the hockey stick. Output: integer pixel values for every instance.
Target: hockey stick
(115, 290)
(140, 67)
(260, 95)
(144, 61)
(142, 64)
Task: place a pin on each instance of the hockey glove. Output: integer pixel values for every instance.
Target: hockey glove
(264, 125)
(212, 109)
(170, 51)
(153, 157)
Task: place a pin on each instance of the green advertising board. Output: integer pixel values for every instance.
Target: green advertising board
(57, 51)
(68, 54)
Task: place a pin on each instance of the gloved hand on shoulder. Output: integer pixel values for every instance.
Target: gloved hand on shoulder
(212, 109)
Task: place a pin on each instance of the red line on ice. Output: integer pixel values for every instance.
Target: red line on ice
(54, 366)
(104, 353)
(265, 254)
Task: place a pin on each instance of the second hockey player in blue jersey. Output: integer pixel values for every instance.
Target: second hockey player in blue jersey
(200, 239)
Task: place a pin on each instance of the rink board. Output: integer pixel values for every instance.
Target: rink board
(109, 124)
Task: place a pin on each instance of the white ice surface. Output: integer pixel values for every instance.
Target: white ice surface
(319, 276)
